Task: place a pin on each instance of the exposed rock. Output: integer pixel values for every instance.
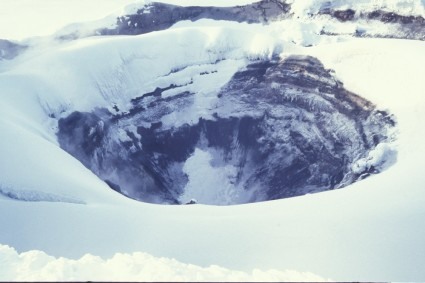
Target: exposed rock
(390, 17)
(287, 128)
(160, 16)
(344, 15)
(9, 50)
(399, 26)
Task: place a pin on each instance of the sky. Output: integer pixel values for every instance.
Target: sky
(21, 19)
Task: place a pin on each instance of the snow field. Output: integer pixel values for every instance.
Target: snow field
(38, 266)
(372, 230)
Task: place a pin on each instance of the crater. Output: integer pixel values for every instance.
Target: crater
(279, 129)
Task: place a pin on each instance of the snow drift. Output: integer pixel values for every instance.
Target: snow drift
(38, 266)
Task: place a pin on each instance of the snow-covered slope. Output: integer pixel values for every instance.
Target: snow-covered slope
(371, 230)
(38, 266)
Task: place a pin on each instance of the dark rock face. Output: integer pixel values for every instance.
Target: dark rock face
(345, 15)
(286, 127)
(388, 17)
(9, 50)
(379, 15)
(160, 16)
(409, 27)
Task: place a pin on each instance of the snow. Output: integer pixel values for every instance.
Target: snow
(216, 3)
(24, 151)
(372, 230)
(205, 87)
(38, 266)
(210, 184)
(382, 156)
(113, 70)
